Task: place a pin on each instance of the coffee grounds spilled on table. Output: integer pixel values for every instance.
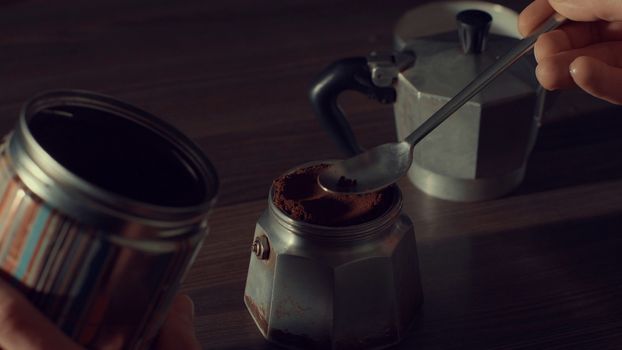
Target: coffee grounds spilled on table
(299, 195)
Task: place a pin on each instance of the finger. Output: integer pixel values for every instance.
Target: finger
(598, 78)
(551, 43)
(178, 330)
(534, 14)
(112, 342)
(589, 10)
(553, 72)
(553, 76)
(575, 35)
(23, 327)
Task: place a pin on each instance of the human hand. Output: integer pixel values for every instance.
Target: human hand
(586, 52)
(23, 327)
(178, 330)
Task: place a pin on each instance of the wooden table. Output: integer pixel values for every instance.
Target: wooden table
(538, 269)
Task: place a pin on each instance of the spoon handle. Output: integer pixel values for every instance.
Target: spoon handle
(481, 81)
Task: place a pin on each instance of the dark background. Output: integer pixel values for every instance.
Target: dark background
(233, 75)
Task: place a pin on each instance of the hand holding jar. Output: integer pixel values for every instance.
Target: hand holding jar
(23, 327)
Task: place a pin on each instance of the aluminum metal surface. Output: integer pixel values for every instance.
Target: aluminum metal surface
(386, 67)
(314, 289)
(384, 165)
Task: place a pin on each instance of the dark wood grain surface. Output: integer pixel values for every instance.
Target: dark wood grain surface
(538, 269)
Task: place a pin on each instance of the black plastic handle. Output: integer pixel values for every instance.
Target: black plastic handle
(346, 74)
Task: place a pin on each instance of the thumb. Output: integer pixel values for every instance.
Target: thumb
(598, 78)
(178, 330)
(23, 327)
(589, 10)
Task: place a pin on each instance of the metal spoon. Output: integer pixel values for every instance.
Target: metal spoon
(381, 166)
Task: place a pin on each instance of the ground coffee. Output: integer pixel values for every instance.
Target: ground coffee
(299, 196)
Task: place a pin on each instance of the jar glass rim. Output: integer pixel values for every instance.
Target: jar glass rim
(53, 182)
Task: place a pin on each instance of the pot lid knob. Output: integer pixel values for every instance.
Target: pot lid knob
(473, 28)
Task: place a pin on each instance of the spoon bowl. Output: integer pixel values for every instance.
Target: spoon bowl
(369, 171)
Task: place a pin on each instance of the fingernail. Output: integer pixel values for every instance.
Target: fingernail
(189, 306)
(539, 72)
(573, 68)
(543, 78)
(183, 307)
